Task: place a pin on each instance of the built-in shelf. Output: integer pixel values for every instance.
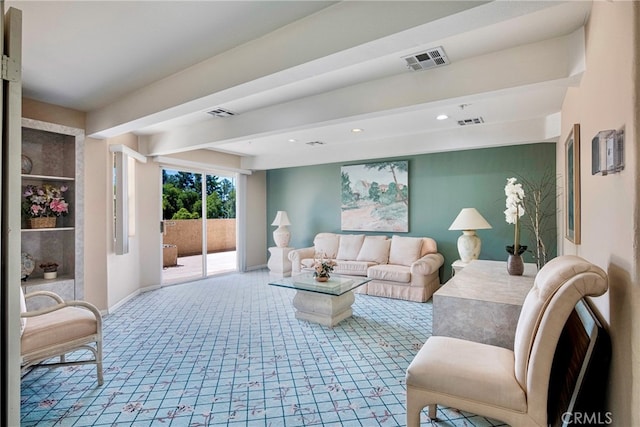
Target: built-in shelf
(31, 177)
(44, 230)
(38, 281)
(56, 158)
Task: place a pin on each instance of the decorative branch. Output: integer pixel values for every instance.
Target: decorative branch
(541, 212)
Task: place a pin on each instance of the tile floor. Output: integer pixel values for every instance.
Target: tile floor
(228, 351)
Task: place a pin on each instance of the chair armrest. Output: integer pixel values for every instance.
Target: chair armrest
(428, 264)
(49, 294)
(60, 305)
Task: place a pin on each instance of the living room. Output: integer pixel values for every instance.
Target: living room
(443, 180)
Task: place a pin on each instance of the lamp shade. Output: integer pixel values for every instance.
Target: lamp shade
(281, 219)
(469, 219)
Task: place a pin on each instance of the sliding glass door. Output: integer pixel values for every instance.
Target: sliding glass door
(221, 224)
(199, 227)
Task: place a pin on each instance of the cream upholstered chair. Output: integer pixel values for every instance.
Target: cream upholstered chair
(507, 385)
(59, 329)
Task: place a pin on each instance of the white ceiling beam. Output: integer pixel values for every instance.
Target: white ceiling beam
(536, 130)
(333, 38)
(505, 70)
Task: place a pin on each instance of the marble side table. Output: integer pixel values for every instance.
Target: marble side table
(482, 303)
(279, 264)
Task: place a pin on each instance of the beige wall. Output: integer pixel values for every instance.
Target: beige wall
(52, 113)
(256, 220)
(96, 218)
(607, 98)
(128, 272)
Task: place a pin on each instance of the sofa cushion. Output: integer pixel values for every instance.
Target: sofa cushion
(429, 246)
(352, 268)
(375, 250)
(60, 326)
(389, 272)
(326, 245)
(350, 245)
(404, 250)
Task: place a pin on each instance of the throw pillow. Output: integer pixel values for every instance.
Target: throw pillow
(374, 250)
(350, 245)
(404, 250)
(326, 245)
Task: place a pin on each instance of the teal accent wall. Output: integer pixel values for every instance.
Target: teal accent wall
(440, 185)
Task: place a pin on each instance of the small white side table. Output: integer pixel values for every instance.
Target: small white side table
(279, 264)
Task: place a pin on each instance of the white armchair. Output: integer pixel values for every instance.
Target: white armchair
(511, 386)
(59, 329)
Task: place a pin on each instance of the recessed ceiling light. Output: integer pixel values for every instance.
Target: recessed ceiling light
(356, 130)
(442, 117)
(293, 140)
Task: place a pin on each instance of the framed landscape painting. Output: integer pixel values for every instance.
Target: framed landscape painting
(375, 197)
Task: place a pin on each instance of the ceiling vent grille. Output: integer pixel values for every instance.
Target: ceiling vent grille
(221, 112)
(430, 58)
(314, 143)
(474, 121)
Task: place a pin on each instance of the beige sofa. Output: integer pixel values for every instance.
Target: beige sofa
(399, 267)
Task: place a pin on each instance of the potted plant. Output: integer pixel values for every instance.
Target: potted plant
(50, 270)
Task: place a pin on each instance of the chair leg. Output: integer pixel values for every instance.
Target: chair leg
(432, 411)
(413, 411)
(99, 362)
(413, 418)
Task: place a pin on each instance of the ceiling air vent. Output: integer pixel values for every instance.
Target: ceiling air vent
(221, 112)
(474, 121)
(314, 143)
(428, 59)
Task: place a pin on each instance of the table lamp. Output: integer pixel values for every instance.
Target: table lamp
(281, 235)
(469, 220)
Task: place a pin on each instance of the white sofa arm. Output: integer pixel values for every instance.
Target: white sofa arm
(428, 264)
(297, 255)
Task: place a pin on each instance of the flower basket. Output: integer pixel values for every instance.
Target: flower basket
(42, 222)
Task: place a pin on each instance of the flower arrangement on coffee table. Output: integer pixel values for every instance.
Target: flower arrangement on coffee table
(322, 267)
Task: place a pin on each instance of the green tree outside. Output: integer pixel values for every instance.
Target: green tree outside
(182, 196)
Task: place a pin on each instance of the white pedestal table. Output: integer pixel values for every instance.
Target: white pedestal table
(327, 303)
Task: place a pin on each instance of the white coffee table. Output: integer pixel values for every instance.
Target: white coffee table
(327, 303)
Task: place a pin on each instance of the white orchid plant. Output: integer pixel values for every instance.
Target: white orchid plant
(515, 209)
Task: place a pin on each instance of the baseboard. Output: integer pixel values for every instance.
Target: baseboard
(256, 267)
(123, 301)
